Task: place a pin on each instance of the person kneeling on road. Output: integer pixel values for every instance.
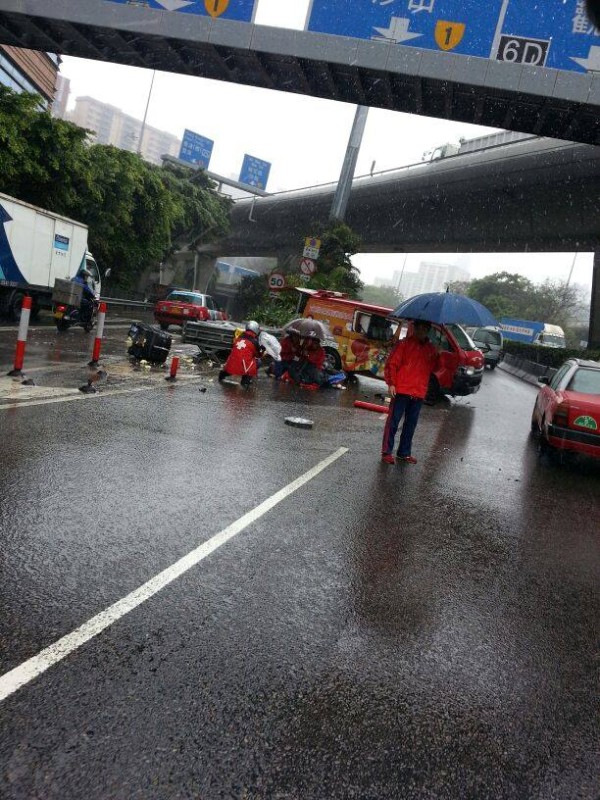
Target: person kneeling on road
(244, 357)
(290, 352)
(407, 372)
(309, 370)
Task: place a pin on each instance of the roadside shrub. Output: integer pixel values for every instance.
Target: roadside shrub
(547, 356)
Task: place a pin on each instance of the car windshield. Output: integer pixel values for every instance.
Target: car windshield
(187, 297)
(483, 336)
(462, 337)
(554, 341)
(586, 381)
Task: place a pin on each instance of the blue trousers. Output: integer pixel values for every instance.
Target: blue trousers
(401, 406)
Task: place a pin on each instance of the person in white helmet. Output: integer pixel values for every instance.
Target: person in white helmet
(244, 357)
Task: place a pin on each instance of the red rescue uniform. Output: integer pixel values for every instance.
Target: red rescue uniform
(242, 359)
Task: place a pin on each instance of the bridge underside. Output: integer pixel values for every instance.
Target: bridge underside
(496, 94)
(529, 196)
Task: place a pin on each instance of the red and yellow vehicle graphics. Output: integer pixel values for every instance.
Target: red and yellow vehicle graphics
(362, 332)
(364, 335)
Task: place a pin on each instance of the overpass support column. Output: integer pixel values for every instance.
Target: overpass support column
(204, 267)
(594, 334)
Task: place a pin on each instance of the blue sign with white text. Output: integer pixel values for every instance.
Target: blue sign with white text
(255, 172)
(549, 33)
(240, 10)
(196, 149)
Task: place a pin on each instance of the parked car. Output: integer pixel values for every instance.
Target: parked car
(490, 341)
(181, 306)
(566, 414)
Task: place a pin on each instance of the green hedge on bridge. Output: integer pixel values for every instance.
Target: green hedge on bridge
(547, 356)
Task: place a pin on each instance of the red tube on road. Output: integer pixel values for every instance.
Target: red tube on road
(174, 368)
(371, 407)
(99, 335)
(22, 337)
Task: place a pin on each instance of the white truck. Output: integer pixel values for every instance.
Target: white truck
(36, 247)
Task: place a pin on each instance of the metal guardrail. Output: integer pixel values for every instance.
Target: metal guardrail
(120, 302)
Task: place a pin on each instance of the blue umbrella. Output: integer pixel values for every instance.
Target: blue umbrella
(444, 308)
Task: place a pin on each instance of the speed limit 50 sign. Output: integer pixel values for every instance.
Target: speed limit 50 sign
(276, 281)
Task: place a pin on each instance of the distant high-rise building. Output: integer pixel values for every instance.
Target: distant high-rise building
(61, 97)
(29, 71)
(110, 125)
(431, 277)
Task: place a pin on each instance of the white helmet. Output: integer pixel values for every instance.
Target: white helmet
(253, 327)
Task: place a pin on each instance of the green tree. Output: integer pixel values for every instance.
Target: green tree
(137, 212)
(505, 294)
(43, 161)
(335, 270)
(380, 295)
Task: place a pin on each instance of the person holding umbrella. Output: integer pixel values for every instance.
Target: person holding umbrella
(407, 372)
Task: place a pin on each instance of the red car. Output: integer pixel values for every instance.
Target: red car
(566, 414)
(180, 306)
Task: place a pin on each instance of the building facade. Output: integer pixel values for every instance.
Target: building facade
(29, 71)
(61, 97)
(110, 125)
(430, 277)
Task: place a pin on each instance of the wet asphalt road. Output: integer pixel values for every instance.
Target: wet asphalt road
(384, 632)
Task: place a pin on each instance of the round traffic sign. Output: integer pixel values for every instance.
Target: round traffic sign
(308, 266)
(276, 281)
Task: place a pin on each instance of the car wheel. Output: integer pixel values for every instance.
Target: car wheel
(333, 360)
(164, 326)
(492, 367)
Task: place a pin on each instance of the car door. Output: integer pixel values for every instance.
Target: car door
(548, 396)
(447, 359)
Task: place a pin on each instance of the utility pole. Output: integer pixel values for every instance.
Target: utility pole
(344, 187)
(143, 128)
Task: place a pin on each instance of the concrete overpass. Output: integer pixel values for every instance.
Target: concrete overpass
(538, 195)
(532, 195)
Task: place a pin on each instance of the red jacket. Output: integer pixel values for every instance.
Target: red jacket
(288, 350)
(316, 357)
(242, 359)
(410, 365)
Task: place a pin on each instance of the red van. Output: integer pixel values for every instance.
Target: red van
(362, 335)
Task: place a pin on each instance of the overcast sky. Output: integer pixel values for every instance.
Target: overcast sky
(304, 138)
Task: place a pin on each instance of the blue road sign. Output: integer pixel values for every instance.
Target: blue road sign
(196, 149)
(551, 33)
(255, 172)
(240, 10)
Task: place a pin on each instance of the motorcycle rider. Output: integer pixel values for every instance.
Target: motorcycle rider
(88, 298)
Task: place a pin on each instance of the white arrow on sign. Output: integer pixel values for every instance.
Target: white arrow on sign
(592, 62)
(397, 32)
(174, 5)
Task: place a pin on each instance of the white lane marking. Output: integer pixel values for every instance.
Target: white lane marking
(18, 677)
(80, 396)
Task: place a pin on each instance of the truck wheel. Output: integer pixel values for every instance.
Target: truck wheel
(14, 306)
(333, 360)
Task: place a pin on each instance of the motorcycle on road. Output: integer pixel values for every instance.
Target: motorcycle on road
(66, 316)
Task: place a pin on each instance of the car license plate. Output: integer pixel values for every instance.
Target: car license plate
(177, 310)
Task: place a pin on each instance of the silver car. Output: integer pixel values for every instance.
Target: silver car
(490, 341)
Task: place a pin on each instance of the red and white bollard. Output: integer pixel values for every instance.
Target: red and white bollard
(99, 335)
(174, 367)
(21, 338)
